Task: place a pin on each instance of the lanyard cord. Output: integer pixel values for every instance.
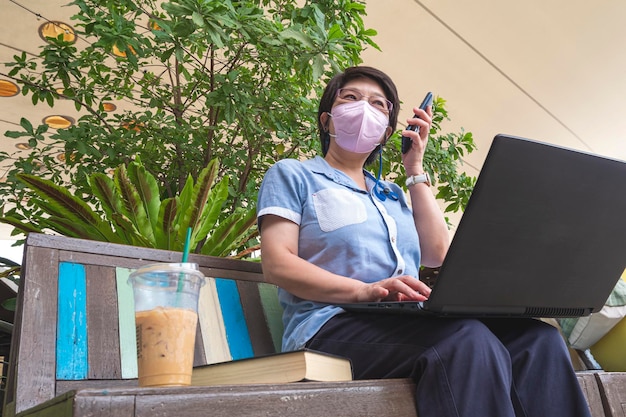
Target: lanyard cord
(382, 191)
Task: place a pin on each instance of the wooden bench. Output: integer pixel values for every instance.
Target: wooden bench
(73, 350)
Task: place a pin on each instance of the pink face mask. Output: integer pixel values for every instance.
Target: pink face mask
(359, 127)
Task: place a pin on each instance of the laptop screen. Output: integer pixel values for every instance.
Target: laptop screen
(545, 227)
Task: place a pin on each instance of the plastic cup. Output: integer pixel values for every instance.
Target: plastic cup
(166, 317)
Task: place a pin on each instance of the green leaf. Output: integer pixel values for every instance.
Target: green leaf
(335, 33)
(229, 234)
(293, 33)
(184, 207)
(28, 127)
(132, 205)
(70, 228)
(104, 189)
(14, 135)
(24, 228)
(50, 99)
(176, 9)
(212, 209)
(148, 190)
(132, 235)
(167, 54)
(60, 199)
(197, 19)
(318, 66)
(198, 201)
(167, 230)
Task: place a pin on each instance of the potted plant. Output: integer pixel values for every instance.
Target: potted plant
(128, 209)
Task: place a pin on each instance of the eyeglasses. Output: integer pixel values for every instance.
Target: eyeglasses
(379, 102)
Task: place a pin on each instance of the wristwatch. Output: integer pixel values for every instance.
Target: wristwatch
(418, 179)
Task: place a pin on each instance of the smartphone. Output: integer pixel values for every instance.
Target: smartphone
(406, 141)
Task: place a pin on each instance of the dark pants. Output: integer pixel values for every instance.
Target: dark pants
(462, 367)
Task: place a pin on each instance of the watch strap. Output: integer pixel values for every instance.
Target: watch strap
(418, 179)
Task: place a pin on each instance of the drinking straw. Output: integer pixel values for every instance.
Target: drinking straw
(187, 242)
(185, 256)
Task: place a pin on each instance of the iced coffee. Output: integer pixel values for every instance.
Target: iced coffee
(166, 303)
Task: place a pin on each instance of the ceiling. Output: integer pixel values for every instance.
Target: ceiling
(554, 71)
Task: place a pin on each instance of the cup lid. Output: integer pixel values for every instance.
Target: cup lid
(188, 268)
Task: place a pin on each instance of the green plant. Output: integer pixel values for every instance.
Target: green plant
(206, 79)
(131, 212)
(224, 79)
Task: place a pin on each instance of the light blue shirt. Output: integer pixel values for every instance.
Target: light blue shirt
(343, 229)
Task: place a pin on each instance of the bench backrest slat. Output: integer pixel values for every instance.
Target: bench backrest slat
(75, 317)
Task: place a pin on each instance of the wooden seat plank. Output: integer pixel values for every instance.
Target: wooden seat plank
(589, 386)
(353, 399)
(613, 391)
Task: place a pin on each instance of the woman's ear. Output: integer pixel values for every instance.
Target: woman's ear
(324, 120)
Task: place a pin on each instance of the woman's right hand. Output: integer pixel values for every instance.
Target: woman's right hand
(402, 288)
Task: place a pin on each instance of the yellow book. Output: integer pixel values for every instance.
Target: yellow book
(299, 365)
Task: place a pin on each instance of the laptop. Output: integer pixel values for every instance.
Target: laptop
(543, 235)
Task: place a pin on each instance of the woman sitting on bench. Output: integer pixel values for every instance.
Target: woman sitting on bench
(333, 233)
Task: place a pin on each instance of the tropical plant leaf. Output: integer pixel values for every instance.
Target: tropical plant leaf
(167, 230)
(61, 200)
(230, 233)
(110, 200)
(49, 208)
(148, 190)
(183, 208)
(133, 236)
(25, 228)
(59, 203)
(60, 229)
(126, 200)
(199, 196)
(67, 227)
(58, 220)
(132, 205)
(213, 208)
(104, 189)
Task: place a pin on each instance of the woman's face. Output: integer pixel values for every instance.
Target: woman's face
(355, 90)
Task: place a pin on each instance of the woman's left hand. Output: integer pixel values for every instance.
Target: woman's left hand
(414, 158)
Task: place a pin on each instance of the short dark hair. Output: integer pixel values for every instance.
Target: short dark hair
(340, 80)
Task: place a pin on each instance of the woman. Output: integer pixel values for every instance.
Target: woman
(331, 232)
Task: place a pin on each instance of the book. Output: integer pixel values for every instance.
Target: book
(212, 329)
(277, 368)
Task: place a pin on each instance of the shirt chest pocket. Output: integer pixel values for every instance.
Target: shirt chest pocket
(336, 208)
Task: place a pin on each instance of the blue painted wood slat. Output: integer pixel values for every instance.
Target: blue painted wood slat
(234, 320)
(71, 352)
